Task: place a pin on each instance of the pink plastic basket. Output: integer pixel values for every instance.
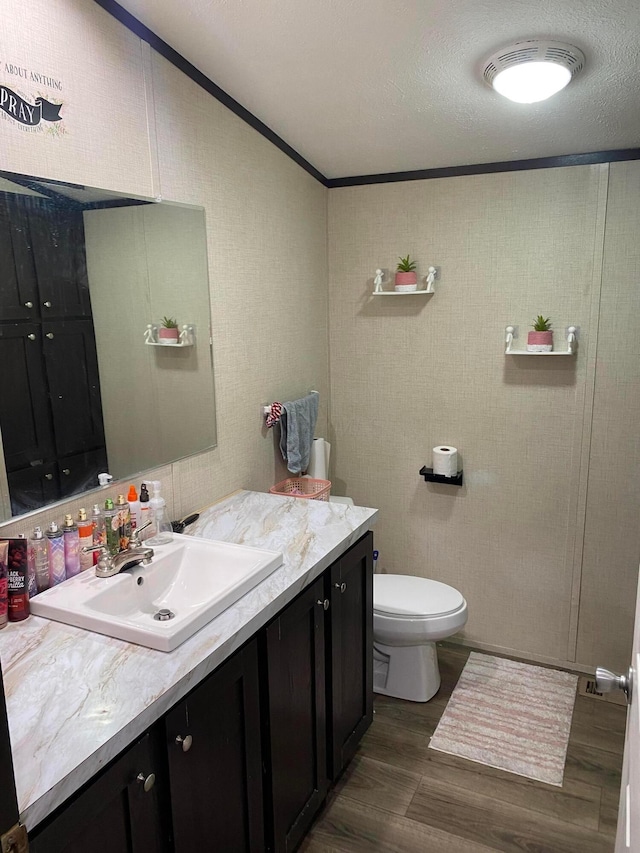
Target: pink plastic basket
(303, 487)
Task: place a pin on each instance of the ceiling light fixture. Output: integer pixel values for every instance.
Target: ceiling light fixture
(533, 70)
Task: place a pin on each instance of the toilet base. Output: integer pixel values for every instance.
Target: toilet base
(406, 672)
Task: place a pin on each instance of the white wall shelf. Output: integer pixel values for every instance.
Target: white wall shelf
(187, 337)
(511, 333)
(428, 280)
(403, 293)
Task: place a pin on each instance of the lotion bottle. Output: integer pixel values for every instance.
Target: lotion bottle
(71, 547)
(124, 522)
(111, 527)
(41, 559)
(85, 536)
(145, 512)
(55, 552)
(134, 507)
(99, 530)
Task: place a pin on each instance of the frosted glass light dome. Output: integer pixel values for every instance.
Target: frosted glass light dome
(531, 71)
(532, 81)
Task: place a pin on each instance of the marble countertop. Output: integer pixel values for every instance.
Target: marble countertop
(76, 699)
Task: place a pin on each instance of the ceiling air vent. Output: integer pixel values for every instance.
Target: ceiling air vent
(533, 51)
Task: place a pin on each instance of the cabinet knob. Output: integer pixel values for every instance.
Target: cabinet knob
(31, 337)
(28, 304)
(66, 471)
(185, 741)
(147, 782)
(50, 335)
(341, 586)
(48, 476)
(324, 603)
(47, 304)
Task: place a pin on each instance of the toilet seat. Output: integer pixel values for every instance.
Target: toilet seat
(409, 597)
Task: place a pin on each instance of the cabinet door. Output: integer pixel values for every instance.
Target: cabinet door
(80, 473)
(57, 239)
(295, 656)
(114, 814)
(71, 364)
(25, 417)
(18, 288)
(350, 678)
(34, 487)
(216, 776)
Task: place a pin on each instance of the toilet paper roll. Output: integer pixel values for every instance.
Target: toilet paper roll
(445, 460)
(319, 459)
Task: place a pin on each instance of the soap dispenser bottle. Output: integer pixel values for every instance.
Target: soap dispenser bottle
(162, 531)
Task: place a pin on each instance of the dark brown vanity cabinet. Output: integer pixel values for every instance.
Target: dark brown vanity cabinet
(296, 755)
(245, 761)
(319, 682)
(349, 588)
(215, 761)
(122, 811)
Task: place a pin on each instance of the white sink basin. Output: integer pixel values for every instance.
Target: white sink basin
(194, 579)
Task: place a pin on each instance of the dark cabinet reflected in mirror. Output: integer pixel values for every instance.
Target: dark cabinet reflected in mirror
(82, 274)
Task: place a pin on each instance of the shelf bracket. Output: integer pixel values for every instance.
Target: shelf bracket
(430, 477)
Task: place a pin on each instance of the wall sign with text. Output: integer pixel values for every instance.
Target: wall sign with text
(38, 112)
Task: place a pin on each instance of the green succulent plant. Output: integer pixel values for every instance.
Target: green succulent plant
(542, 325)
(169, 323)
(406, 265)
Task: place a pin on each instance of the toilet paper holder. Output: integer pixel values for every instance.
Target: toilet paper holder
(430, 477)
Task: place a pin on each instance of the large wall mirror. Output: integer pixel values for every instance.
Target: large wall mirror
(90, 383)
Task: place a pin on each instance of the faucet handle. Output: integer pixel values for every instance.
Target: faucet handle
(104, 566)
(134, 539)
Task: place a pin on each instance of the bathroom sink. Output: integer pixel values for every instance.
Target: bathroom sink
(188, 583)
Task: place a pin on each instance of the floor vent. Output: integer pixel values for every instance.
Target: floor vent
(587, 687)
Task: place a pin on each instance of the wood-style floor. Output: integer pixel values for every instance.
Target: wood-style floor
(398, 796)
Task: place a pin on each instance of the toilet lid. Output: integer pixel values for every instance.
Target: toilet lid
(404, 595)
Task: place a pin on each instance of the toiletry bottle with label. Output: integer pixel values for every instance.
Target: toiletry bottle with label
(4, 604)
(31, 567)
(85, 536)
(71, 547)
(41, 559)
(134, 507)
(99, 529)
(162, 531)
(111, 527)
(124, 522)
(145, 512)
(55, 553)
(18, 575)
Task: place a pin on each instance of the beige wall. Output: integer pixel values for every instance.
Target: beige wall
(265, 219)
(611, 541)
(410, 373)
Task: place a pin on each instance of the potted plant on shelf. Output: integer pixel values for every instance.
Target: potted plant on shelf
(168, 331)
(406, 276)
(541, 339)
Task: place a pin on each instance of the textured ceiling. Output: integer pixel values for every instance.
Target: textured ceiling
(369, 86)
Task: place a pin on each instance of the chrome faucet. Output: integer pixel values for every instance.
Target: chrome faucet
(135, 554)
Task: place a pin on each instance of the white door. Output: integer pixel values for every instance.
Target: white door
(628, 834)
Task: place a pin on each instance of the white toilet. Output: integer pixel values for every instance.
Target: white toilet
(409, 615)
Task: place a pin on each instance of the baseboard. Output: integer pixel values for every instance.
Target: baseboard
(517, 654)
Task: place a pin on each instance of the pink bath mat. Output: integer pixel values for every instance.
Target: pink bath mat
(509, 715)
